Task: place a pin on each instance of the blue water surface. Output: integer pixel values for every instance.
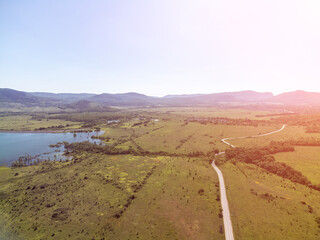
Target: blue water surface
(14, 145)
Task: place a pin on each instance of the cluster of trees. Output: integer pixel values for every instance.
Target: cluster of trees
(38, 117)
(313, 129)
(136, 187)
(183, 141)
(249, 155)
(92, 118)
(27, 161)
(275, 114)
(51, 127)
(227, 121)
(305, 142)
(145, 123)
(22, 161)
(110, 150)
(104, 138)
(315, 187)
(262, 158)
(57, 145)
(310, 120)
(90, 147)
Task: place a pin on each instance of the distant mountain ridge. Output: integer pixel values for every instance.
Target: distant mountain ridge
(14, 97)
(124, 99)
(69, 97)
(298, 97)
(10, 97)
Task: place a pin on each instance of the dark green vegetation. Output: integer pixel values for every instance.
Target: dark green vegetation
(263, 159)
(109, 150)
(152, 178)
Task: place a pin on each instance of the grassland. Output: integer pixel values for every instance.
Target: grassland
(115, 197)
(26, 123)
(289, 133)
(304, 159)
(204, 112)
(98, 196)
(265, 206)
(175, 136)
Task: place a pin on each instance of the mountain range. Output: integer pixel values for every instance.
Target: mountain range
(12, 98)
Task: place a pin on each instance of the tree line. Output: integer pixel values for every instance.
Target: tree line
(261, 157)
(86, 146)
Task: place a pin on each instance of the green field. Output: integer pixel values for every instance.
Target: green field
(115, 197)
(26, 123)
(204, 112)
(265, 206)
(289, 133)
(159, 191)
(305, 160)
(173, 135)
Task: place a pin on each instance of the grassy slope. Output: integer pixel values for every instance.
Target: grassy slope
(304, 159)
(81, 200)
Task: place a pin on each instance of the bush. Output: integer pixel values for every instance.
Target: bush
(201, 191)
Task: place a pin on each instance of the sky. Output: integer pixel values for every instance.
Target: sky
(160, 47)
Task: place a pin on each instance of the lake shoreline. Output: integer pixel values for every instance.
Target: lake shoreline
(16, 144)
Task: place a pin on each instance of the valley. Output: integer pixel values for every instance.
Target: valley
(152, 178)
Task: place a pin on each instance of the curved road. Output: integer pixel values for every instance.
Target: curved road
(254, 136)
(224, 201)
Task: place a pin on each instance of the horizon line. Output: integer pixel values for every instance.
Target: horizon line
(173, 94)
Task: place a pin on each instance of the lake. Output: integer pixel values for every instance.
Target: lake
(15, 145)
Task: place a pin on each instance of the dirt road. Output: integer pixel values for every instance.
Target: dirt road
(228, 231)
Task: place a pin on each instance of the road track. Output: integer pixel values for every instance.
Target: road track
(228, 231)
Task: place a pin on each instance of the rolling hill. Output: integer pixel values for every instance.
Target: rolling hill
(12, 98)
(67, 97)
(125, 99)
(298, 98)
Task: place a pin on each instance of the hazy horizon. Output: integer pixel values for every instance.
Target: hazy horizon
(160, 47)
(169, 94)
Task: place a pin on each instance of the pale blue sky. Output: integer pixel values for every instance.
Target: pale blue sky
(160, 47)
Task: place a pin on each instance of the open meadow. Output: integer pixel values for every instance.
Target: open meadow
(289, 133)
(305, 159)
(29, 123)
(265, 206)
(115, 197)
(152, 179)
